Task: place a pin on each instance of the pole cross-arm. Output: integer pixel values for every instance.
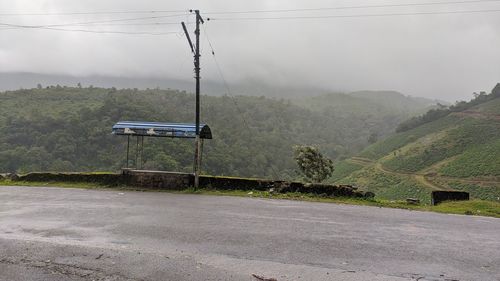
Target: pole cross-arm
(187, 36)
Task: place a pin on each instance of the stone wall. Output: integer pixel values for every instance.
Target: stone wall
(233, 183)
(158, 180)
(324, 189)
(99, 178)
(181, 181)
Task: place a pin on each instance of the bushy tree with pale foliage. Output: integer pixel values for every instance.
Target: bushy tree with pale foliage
(312, 164)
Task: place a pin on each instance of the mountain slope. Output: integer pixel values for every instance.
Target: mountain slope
(387, 108)
(368, 102)
(460, 151)
(68, 129)
(26, 80)
(396, 100)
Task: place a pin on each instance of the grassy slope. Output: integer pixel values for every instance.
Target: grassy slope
(459, 152)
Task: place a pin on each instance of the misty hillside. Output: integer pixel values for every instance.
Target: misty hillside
(459, 150)
(397, 100)
(68, 129)
(10, 81)
(394, 107)
(368, 102)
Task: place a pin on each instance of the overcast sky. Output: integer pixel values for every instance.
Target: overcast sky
(437, 56)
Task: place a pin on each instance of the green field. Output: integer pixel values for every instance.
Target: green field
(460, 151)
(467, 135)
(480, 161)
(343, 169)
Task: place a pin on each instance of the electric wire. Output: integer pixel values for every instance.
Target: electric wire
(253, 11)
(229, 93)
(354, 7)
(110, 31)
(92, 31)
(94, 13)
(354, 16)
(110, 22)
(122, 21)
(89, 22)
(132, 24)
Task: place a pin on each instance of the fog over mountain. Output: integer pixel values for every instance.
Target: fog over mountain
(439, 56)
(15, 81)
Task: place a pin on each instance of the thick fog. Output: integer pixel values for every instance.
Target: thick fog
(444, 56)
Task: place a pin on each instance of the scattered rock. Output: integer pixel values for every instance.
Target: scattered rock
(413, 201)
(348, 186)
(262, 278)
(369, 195)
(12, 177)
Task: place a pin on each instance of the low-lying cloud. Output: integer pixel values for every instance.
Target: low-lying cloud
(437, 56)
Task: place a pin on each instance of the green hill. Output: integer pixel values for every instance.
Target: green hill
(459, 151)
(396, 100)
(68, 129)
(387, 108)
(369, 103)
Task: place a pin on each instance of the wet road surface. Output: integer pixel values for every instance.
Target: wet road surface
(77, 234)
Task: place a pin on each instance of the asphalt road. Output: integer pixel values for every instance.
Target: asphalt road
(76, 234)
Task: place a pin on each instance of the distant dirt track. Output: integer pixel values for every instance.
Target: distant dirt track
(422, 177)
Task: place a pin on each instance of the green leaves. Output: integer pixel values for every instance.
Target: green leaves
(312, 164)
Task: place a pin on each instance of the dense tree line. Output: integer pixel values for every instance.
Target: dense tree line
(435, 114)
(69, 129)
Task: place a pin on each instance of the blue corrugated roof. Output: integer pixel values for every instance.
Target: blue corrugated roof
(157, 129)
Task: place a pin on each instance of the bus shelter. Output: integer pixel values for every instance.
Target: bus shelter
(140, 129)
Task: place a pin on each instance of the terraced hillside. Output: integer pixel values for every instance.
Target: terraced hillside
(460, 151)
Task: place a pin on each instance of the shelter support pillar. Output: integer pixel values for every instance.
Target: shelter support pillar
(197, 162)
(128, 148)
(136, 151)
(142, 152)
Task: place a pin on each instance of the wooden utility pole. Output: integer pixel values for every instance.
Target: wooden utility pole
(196, 50)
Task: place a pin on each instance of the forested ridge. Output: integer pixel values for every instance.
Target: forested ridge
(69, 129)
(442, 110)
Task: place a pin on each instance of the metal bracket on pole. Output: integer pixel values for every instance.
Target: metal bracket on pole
(188, 37)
